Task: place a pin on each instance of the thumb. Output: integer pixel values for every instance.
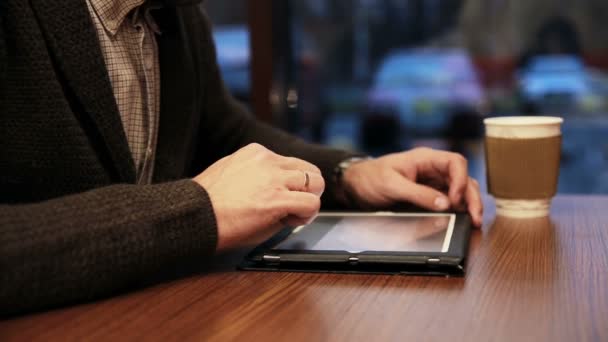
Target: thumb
(420, 195)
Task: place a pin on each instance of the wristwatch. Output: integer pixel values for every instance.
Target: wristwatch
(342, 194)
(344, 165)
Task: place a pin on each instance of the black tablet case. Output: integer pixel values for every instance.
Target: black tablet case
(450, 263)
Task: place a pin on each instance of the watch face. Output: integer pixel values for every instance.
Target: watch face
(348, 162)
(345, 164)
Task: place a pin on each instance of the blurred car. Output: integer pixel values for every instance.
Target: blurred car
(561, 84)
(427, 90)
(233, 54)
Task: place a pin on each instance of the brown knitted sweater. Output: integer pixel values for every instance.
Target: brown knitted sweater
(73, 226)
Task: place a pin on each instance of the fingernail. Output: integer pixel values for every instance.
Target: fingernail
(310, 220)
(442, 203)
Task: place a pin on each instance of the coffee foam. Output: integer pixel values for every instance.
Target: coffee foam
(523, 127)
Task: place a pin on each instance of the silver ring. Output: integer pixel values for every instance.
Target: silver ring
(307, 181)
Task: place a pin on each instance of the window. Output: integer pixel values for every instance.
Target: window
(387, 75)
(231, 36)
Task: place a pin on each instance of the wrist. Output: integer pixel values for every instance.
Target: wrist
(343, 175)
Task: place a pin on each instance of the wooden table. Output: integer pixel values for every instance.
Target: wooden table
(535, 280)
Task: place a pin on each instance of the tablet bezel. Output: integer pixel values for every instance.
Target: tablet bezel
(451, 262)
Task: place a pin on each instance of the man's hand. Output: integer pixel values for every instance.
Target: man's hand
(255, 192)
(434, 180)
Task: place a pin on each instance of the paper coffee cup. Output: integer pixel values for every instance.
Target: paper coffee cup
(522, 163)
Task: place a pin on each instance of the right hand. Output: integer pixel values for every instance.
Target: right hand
(255, 192)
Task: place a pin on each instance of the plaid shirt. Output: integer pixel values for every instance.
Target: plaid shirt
(126, 34)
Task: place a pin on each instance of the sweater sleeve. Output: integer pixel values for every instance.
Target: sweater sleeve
(230, 126)
(94, 244)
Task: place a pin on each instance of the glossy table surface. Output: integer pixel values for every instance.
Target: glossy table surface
(527, 280)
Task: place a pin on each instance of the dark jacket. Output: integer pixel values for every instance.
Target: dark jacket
(73, 225)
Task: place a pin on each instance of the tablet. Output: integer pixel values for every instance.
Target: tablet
(383, 242)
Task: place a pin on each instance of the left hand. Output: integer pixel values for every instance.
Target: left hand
(431, 179)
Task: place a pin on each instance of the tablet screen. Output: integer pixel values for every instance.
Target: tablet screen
(382, 232)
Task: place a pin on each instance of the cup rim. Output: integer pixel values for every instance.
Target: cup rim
(523, 120)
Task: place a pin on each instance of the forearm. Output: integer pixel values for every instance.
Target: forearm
(93, 244)
(228, 126)
(232, 127)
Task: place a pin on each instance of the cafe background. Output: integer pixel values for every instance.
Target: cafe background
(379, 76)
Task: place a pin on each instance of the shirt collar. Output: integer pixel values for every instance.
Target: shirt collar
(112, 13)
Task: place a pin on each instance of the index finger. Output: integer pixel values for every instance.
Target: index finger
(455, 166)
(474, 202)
